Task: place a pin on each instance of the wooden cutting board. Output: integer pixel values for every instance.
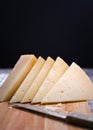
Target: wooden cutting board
(16, 119)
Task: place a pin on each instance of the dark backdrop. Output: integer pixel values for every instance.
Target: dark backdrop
(48, 28)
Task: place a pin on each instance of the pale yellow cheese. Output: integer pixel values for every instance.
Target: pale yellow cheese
(38, 80)
(16, 76)
(74, 85)
(17, 97)
(57, 70)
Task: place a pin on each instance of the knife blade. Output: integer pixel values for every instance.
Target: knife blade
(73, 117)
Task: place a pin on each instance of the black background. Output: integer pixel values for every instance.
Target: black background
(48, 28)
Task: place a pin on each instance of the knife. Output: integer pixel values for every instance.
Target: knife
(73, 117)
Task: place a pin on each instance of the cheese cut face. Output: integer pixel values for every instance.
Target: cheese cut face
(74, 85)
(38, 80)
(17, 97)
(16, 76)
(57, 70)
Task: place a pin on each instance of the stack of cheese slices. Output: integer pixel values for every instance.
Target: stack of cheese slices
(37, 80)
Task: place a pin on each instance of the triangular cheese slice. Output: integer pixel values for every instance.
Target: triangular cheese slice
(38, 80)
(16, 76)
(17, 97)
(59, 67)
(74, 85)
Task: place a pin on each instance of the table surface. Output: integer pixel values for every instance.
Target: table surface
(17, 119)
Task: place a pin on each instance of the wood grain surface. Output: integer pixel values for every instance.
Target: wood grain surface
(16, 119)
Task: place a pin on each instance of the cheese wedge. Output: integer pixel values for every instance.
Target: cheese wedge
(59, 67)
(16, 76)
(38, 80)
(74, 85)
(17, 97)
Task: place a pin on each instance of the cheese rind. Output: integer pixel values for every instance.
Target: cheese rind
(17, 97)
(57, 70)
(16, 76)
(74, 85)
(38, 80)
